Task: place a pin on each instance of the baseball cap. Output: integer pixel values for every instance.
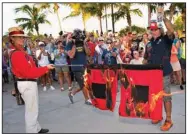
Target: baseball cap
(101, 39)
(41, 44)
(155, 25)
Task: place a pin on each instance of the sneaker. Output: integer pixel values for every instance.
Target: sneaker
(155, 121)
(181, 87)
(88, 102)
(166, 126)
(71, 97)
(70, 88)
(62, 89)
(44, 89)
(52, 88)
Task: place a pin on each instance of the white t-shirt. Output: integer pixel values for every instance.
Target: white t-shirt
(44, 59)
(137, 62)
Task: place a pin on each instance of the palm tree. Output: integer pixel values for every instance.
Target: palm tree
(125, 11)
(48, 6)
(33, 19)
(96, 9)
(78, 9)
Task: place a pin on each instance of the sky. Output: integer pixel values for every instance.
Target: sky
(76, 22)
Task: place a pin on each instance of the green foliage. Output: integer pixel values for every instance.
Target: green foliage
(178, 23)
(33, 18)
(124, 31)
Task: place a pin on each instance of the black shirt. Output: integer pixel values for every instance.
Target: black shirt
(161, 53)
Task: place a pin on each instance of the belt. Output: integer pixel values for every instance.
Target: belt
(26, 80)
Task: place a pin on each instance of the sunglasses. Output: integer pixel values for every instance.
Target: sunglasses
(101, 40)
(154, 29)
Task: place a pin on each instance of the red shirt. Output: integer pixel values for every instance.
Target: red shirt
(24, 67)
(91, 46)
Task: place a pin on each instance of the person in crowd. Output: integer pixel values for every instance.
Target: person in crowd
(183, 59)
(148, 49)
(43, 60)
(135, 41)
(136, 59)
(62, 69)
(176, 65)
(90, 43)
(109, 55)
(100, 47)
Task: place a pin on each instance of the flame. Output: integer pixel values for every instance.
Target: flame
(156, 97)
(86, 85)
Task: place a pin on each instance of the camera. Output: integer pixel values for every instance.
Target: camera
(78, 35)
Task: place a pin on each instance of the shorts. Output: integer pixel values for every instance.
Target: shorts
(167, 89)
(176, 66)
(79, 78)
(62, 69)
(183, 63)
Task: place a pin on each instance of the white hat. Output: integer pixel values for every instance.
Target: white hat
(41, 43)
(16, 31)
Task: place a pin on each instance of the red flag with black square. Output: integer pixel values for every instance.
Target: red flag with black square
(140, 84)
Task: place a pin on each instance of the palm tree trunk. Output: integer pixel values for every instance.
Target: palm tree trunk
(112, 9)
(84, 22)
(183, 17)
(59, 20)
(100, 23)
(149, 14)
(37, 29)
(106, 19)
(129, 20)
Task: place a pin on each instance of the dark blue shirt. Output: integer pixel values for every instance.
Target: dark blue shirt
(108, 58)
(161, 52)
(80, 56)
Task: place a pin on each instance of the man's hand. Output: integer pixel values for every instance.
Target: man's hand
(114, 54)
(50, 66)
(144, 61)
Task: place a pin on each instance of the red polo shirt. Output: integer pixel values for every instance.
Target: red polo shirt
(91, 46)
(24, 67)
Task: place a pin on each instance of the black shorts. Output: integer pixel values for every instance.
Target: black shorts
(183, 63)
(79, 78)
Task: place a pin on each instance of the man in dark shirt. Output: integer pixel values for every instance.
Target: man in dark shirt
(77, 51)
(160, 53)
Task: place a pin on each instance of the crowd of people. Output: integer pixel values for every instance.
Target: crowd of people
(105, 49)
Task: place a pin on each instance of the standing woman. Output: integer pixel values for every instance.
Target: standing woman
(26, 72)
(43, 60)
(176, 65)
(63, 69)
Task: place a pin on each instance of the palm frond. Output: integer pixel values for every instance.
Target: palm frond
(18, 20)
(72, 14)
(136, 12)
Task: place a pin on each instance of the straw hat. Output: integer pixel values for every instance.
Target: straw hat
(16, 31)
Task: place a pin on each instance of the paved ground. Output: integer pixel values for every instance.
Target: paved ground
(60, 116)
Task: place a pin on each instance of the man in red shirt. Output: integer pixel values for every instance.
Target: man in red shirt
(91, 45)
(26, 73)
